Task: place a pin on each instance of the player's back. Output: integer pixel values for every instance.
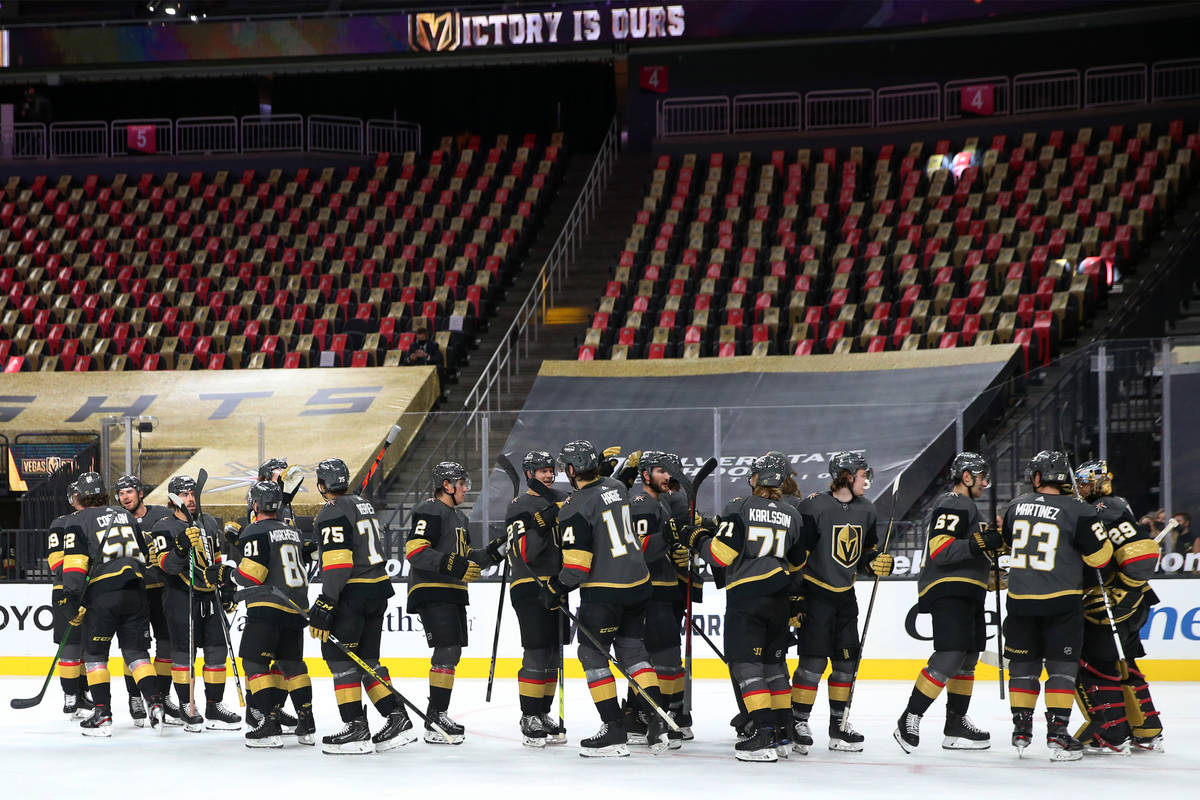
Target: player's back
(272, 557)
(348, 531)
(1053, 538)
(763, 541)
(615, 555)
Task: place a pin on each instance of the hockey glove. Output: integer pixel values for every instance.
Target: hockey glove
(219, 575)
(459, 567)
(228, 598)
(797, 611)
(882, 565)
(690, 536)
(680, 556)
(309, 549)
(547, 517)
(555, 595)
(629, 473)
(992, 580)
(608, 461)
(72, 610)
(195, 537)
(987, 542)
(497, 549)
(320, 618)
(1124, 598)
(232, 531)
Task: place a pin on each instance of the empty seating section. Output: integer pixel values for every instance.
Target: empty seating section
(833, 252)
(320, 267)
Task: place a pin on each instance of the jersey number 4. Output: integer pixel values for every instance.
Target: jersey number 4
(619, 538)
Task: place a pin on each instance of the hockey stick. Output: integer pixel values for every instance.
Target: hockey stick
(333, 640)
(30, 702)
(990, 456)
(1172, 523)
(691, 487)
(392, 433)
(543, 491)
(862, 642)
(191, 643)
(511, 471)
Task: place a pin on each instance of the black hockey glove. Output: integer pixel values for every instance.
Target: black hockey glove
(497, 549)
(608, 463)
(690, 536)
(218, 575)
(797, 611)
(547, 518)
(232, 531)
(555, 595)
(309, 550)
(987, 542)
(320, 617)
(459, 567)
(228, 598)
(71, 609)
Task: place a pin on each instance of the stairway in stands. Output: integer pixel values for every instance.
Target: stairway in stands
(439, 437)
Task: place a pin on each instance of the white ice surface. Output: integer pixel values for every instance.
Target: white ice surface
(43, 755)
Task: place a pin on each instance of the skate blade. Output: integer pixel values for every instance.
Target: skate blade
(433, 737)
(674, 744)
(79, 714)
(169, 722)
(688, 735)
(802, 749)
(612, 751)
(192, 728)
(784, 751)
(271, 742)
(556, 738)
(348, 749)
(102, 732)
(637, 739)
(959, 743)
(1154, 746)
(905, 746)
(309, 739)
(143, 722)
(765, 756)
(400, 740)
(660, 746)
(536, 742)
(219, 725)
(1107, 750)
(1057, 754)
(845, 747)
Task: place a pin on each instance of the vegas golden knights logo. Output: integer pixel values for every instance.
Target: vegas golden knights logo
(847, 544)
(435, 33)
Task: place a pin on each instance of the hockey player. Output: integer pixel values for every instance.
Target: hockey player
(104, 553)
(652, 514)
(602, 557)
(533, 557)
(759, 544)
(271, 558)
(183, 551)
(352, 604)
(1054, 537)
(130, 493)
(276, 470)
(840, 539)
(441, 564)
(1116, 696)
(959, 553)
(76, 703)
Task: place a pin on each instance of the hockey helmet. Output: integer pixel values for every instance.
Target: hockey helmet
(1053, 467)
(850, 462)
(660, 458)
(769, 471)
(129, 482)
(333, 474)
(72, 492)
(181, 483)
(267, 496)
(1094, 479)
(579, 454)
(269, 466)
(90, 485)
(535, 460)
(967, 461)
(778, 454)
(450, 471)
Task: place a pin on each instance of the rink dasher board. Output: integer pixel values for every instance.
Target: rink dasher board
(897, 646)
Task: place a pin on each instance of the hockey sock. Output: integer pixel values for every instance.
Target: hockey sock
(130, 683)
(147, 680)
(441, 685)
(275, 694)
(214, 683)
(1146, 721)
(531, 685)
(68, 676)
(162, 666)
(261, 685)
(756, 695)
(549, 685)
(1023, 685)
(378, 693)
(805, 681)
(98, 682)
(604, 693)
(958, 693)
(670, 683)
(1060, 686)
(300, 689)
(179, 678)
(347, 689)
(839, 683)
(781, 695)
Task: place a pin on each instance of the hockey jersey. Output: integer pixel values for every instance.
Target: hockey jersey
(1135, 555)
(531, 526)
(272, 557)
(351, 548)
(54, 548)
(437, 530)
(177, 570)
(651, 515)
(951, 568)
(759, 544)
(840, 540)
(107, 544)
(600, 552)
(154, 514)
(1053, 538)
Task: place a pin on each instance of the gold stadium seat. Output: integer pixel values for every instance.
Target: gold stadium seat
(691, 350)
(911, 342)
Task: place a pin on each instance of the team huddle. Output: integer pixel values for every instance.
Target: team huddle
(629, 538)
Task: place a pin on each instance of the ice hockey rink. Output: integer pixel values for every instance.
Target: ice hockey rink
(44, 755)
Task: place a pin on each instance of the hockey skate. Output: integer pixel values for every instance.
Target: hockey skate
(656, 734)
(1149, 744)
(908, 731)
(801, 736)
(137, 710)
(962, 734)
(219, 718)
(843, 737)
(1098, 744)
(759, 747)
(451, 732)
(77, 706)
(171, 717)
(192, 723)
(99, 723)
(397, 731)
(634, 725)
(353, 739)
(555, 733)
(306, 728)
(684, 720)
(610, 741)
(155, 713)
(532, 732)
(267, 734)
(287, 723)
(1022, 734)
(1062, 745)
